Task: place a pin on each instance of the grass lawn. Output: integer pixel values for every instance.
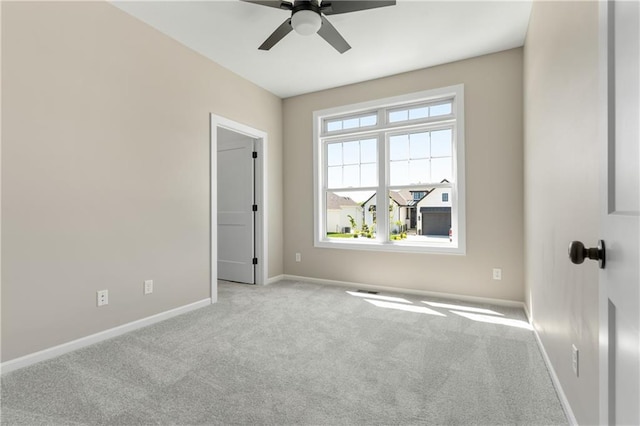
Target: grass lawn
(339, 235)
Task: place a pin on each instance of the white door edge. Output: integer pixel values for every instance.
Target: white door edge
(603, 299)
(261, 138)
(612, 320)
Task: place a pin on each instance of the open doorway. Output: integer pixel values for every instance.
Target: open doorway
(238, 203)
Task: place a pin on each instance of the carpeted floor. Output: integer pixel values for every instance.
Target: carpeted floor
(297, 353)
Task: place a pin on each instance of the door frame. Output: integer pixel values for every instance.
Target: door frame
(260, 231)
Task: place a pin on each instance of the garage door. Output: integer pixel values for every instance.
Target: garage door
(436, 221)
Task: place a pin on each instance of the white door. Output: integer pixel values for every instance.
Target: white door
(620, 279)
(236, 247)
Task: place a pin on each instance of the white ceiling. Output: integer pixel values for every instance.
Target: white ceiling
(385, 41)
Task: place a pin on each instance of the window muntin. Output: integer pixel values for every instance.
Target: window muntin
(420, 158)
(420, 112)
(350, 123)
(352, 164)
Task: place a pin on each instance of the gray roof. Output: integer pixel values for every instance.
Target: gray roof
(335, 201)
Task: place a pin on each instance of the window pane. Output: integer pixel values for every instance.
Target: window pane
(345, 215)
(352, 164)
(441, 168)
(332, 126)
(399, 147)
(441, 143)
(334, 177)
(368, 175)
(369, 120)
(443, 109)
(416, 113)
(351, 123)
(351, 176)
(334, 154)
(419, 145)
(351, 152)
(395, 116)
(399, 173)
(419, 171)
(368, 152)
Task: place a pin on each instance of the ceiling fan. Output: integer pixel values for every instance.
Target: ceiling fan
(308, 17)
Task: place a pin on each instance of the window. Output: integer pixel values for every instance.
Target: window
(349, 123)
(416, 112)
(389, 174)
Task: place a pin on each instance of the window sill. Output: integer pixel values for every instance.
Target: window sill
(393, 247)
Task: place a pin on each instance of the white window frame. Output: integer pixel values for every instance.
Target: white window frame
(383, 129)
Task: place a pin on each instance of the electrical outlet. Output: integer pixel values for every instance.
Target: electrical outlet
(298, 257)
(148, 286)
(102, 297)
(575, 358)
(497, 273)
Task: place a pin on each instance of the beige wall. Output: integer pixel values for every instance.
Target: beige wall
(493, 122)
(105, 169)
(561, 190)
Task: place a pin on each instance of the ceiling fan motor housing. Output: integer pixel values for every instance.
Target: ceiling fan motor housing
(305, 17)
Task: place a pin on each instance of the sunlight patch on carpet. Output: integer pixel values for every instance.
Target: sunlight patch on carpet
(462, 308)
(494, 320)
(407, 308)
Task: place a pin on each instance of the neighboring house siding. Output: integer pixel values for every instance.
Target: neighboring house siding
(338, 219)
(434, 198)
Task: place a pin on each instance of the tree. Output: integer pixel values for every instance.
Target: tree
(354, 225)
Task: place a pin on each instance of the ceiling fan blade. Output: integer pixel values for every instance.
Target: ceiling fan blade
(284, 29)
(332, 36)
(278, 4)
(335, 7)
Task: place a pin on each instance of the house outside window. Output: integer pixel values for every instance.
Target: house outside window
(397, 166)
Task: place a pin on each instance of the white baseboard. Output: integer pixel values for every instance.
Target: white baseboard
(82, 342)
(571, 418)
(275, 279)
(475, 299)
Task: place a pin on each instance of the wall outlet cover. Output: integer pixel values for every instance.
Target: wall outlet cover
(148, 286)
(497, 273)
(102, 297)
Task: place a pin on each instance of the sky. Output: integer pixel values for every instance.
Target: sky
(416, 158)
